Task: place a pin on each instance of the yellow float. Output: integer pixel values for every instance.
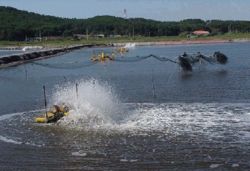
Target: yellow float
(102, 57)
(122, 50)
(55, 113)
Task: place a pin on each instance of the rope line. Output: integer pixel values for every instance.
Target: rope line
(185, 61)
(77, 65)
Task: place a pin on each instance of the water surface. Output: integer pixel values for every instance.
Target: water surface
(141, 115)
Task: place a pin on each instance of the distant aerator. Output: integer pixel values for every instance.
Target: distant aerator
(187, 61)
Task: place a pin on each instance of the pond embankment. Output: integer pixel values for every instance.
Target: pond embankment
(17, 59)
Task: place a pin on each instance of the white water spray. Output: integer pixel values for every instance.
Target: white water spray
(95, 104)
(130, 45)
(97, 107)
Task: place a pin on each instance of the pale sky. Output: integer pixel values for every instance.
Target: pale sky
(164, 10)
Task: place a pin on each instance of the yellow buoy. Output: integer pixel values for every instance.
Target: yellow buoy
(50, 116)
(40, 120)
(66, 113)
(122, 50)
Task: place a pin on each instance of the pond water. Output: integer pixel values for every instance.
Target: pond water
(145, 115)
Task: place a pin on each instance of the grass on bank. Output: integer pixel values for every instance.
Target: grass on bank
(70, 41)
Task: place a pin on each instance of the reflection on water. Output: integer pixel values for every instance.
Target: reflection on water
(195, 121)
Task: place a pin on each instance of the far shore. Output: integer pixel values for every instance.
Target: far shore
(138, 40)
(180, 42)
(146, 43)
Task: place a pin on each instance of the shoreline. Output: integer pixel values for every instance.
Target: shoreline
(138, 43)
(184, 42)
(18, 59)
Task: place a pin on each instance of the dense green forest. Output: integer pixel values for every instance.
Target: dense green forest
(18, 25)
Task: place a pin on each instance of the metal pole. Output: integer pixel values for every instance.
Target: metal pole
(77, 90)
(26, 73)
(45, 101)
(153, 85)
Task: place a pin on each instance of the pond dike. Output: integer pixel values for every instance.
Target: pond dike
(18, 59)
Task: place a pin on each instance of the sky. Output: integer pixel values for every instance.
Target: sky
(163, 10)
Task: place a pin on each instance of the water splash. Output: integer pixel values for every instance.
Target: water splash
(93, 104)
(97, 107)
(130, 45)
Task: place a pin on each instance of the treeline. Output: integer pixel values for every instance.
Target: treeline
(20, 25)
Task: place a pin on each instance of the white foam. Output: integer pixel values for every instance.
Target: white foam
(235, 165)
(12, 141)
(213, 166)
(79, 154)
(8, 140)
(209, 120)
(98, 107)
(8, 116)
